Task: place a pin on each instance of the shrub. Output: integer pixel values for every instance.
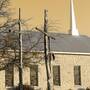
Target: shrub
(25, 87)
(87, 88)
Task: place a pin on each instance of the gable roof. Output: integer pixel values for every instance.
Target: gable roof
(69, 43)
(62, 43)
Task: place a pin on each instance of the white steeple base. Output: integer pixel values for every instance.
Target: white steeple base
(74, 32)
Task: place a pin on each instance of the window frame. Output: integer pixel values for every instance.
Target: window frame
(77, 75)
(36, 75)
(58, 82)
(9, 71)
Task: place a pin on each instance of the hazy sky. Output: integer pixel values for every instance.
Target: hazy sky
(58, 13)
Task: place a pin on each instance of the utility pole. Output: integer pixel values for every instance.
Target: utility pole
(49, 53)
(20, 54)
(46, 51)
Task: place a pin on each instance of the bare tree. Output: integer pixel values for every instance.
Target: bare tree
(9, 39)
(9, 42)
(3, 8)
(3, 26)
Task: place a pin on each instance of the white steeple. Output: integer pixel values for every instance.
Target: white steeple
(73, 28)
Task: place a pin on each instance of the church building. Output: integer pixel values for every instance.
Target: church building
(70, 65)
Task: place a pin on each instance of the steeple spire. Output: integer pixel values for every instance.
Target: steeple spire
(73, 27)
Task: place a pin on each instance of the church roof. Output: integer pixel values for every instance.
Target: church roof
(69, 43)
(62, 43)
